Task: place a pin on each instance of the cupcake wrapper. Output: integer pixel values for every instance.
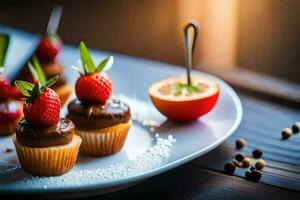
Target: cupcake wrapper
(105, 141)
(48, 161)
(7, 129)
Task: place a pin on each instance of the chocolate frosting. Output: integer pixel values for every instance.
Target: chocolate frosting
(90, 116)
(59, 134)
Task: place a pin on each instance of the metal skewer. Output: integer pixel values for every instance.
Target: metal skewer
(189, 51)
(54, 20)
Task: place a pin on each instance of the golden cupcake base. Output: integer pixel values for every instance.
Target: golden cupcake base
(8, 129)
(63, 92)
(48, 161)
(102, 142)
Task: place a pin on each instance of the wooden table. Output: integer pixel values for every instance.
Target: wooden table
(204, 177)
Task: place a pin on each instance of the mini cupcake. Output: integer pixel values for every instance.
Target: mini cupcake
(10, 115)
(45, 144)
(10, 107)
(47, 51)
(101, 123)
(50, 70)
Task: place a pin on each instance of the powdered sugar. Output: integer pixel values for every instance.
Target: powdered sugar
(155, 155)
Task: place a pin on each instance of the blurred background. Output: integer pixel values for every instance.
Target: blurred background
(256, 35)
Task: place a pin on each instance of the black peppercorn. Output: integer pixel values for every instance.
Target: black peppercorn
(257, 153)
(229, 168)
(286, 133)
(248, 175)
(252, 169)
(239, 157)
(235, 162)
(255, 175)
(296, 127)
(240, 143)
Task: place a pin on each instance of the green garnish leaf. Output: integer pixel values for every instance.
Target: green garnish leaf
(33, 72)
(78, 70)
(87, 62)
(192, 89)
(105, 64)
(178, 89)
(30, 91)
(39, 71)
(4, 42)
(50, 82)
(102, 64)
(24, 87)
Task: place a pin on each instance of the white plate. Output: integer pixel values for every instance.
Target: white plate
(131, 79)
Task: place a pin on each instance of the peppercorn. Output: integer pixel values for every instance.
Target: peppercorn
(260, 164)
(246, 162)
(248, 175)
(252, 169)
(255, 175)
(239, 157)
(229, 168)
(235, 162)
(296, 127)
(240, 143)
(286, 133)
(257, 153)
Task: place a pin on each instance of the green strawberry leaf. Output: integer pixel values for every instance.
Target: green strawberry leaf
(4, 42)
(39, 71)
(106, 63)
(24, 87)
(33, 72)
(50, 82)
(87, 62)
(78, 70)
(102, 65)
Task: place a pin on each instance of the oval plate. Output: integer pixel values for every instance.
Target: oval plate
(131, 78)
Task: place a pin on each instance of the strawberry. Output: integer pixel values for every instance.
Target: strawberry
(44, 109)
(4, 88)
(42, 105)
(48, 47)
(9, 112)
(94, 86)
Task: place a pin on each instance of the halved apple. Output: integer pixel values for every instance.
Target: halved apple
(179, 102)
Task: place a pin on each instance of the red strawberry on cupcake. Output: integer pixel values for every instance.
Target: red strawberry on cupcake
(42, 105)
(48, 47)
(50, 44)
(93, 86)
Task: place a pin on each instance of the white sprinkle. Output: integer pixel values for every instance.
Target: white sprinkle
(152, 129)
(156, 135)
